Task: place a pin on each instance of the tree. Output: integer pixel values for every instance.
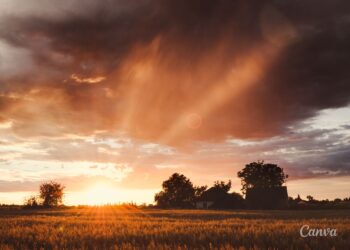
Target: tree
(310, 198)
(221, 185)
(51, 193)
(178, 192)
(199, 190)
(298, 198)
(32, 202)
(261, 175)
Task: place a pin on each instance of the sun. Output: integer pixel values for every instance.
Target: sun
(100, 194)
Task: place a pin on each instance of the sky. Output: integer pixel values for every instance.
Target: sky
(111, 97)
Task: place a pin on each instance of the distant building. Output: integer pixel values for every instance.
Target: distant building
(204, 204)
(215, 198)
(267, 198)
(209, 198)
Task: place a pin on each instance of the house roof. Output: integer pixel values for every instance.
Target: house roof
(213, 194)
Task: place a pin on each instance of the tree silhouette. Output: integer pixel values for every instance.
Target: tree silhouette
(199, 190)
(310, 198)
(221, 185)
(178, 192)
(32, 202)
(51, 193)
(261, 175)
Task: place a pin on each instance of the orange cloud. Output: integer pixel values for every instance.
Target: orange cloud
(90, 80)
(189, 71)
(181, 78)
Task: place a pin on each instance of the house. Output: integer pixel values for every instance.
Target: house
(216, 198)
(210, 198)
(204, 204)
(267, 198)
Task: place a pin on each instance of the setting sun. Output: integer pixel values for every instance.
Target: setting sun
(100, 194)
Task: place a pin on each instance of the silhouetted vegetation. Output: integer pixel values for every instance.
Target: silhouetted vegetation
(312, 203)
(221, 185)
(32, 202)
(261, 184)
(50, 195)
(178, 192)
(261, 175)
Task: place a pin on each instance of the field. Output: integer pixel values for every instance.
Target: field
(132, 228)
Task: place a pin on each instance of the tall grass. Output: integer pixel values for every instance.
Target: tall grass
(132, 228)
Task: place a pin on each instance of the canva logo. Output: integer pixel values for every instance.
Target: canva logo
(306, 231)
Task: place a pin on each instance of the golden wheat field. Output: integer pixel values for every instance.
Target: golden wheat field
(133, 228)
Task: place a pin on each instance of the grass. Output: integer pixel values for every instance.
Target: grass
(131, 228)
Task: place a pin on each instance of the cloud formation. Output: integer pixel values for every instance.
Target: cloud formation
(247, 70)
(196, 86)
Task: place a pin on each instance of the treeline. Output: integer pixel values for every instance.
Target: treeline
(262, 187)
(311, 203)
(261, 184)
(179, 192)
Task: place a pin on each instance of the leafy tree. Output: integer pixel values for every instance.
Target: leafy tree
(199, 190)
(32, 202)
(178, 192)
(221, 185)
(261, 175)
(51, 193)
(310, 198)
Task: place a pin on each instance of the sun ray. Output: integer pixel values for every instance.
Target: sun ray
(246, 72)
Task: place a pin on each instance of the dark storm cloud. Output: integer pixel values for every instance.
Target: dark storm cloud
(101, 39)
(191, 46)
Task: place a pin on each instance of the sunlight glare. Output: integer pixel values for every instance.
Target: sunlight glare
(100, 194)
